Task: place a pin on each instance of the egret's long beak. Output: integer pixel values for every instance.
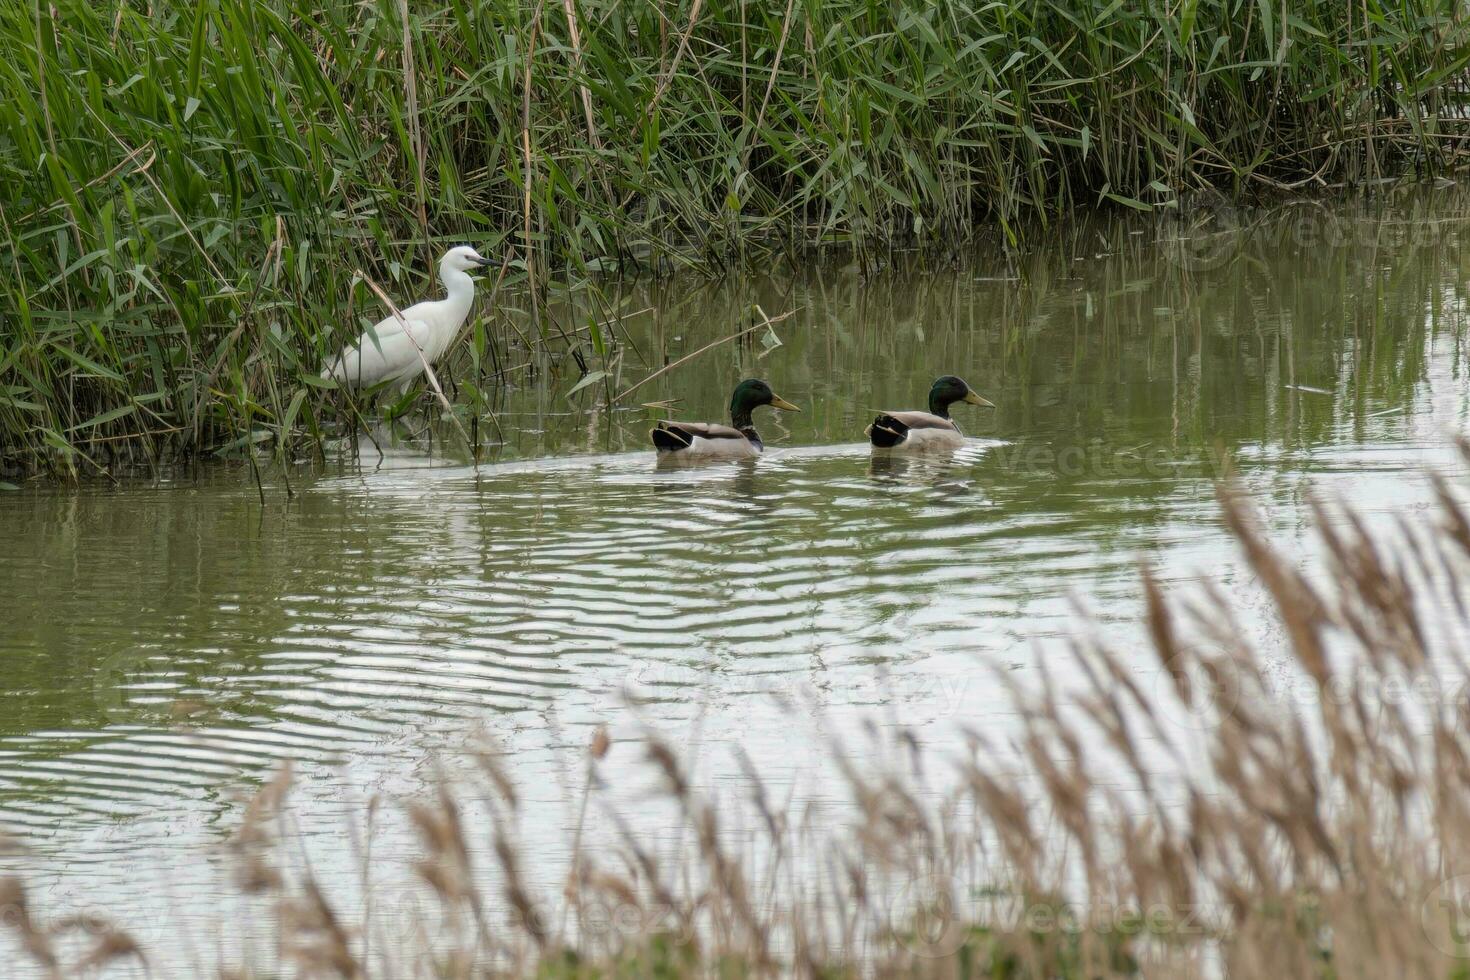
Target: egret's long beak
(778, 402)
(485, 263)
(975, 399)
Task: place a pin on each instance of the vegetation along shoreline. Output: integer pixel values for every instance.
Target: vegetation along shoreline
(198, 199)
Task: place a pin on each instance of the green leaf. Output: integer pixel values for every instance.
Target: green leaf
(109, 416)
(902, 95)
(1264, 6)
(1186, 21)
(87, 364)
(594, 330)
(590, 378)
(120, 89)
(196, 47)
(1130, 202)
(291, 410)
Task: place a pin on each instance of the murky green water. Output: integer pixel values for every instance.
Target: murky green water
(164, 643)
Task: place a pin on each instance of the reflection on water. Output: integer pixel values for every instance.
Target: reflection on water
(943, 469)
(162, 641)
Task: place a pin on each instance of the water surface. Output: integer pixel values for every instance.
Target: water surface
(165, 641)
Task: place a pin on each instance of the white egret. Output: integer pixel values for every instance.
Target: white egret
(389, 351)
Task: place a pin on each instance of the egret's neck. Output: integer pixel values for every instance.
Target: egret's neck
(461, 289)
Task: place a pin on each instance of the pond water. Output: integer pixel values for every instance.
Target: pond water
(166, 642)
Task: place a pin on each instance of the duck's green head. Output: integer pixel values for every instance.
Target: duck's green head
(751, 394)
(948, 390)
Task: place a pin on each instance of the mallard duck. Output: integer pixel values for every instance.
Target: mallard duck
(739, 438)
(923, 430)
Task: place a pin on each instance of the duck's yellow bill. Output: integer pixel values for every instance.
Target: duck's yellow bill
(975, 399)
(778, 402)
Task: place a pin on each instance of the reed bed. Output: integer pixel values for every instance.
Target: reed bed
(1207, 806)
(192, 193)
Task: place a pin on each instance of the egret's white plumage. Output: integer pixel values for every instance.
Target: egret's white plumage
(389, 351)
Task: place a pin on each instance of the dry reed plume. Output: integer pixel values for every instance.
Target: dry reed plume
(1322, 832)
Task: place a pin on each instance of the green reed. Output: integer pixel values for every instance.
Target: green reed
(187, 189)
